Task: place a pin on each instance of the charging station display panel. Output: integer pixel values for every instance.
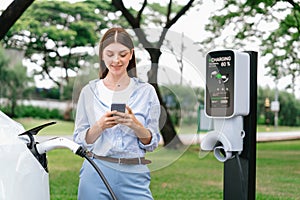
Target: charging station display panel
(220, 83)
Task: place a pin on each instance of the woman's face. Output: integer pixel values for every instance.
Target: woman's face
(116, 58)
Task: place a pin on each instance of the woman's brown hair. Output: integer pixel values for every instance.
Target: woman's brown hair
(121, 36)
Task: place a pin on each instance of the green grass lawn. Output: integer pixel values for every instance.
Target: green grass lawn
(187, 175)
(67, 127)
(58, 129)
(192, 177)
(192, 128)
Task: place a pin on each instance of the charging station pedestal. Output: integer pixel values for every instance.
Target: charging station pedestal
(238, 187)
(230, 100)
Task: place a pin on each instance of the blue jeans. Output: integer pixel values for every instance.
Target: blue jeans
(127, 181)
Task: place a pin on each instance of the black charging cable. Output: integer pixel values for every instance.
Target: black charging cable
(82, 153)
(241, 172)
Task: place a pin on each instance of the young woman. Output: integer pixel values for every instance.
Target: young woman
(117, 140)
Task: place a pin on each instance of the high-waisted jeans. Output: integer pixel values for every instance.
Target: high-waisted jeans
(127, 181)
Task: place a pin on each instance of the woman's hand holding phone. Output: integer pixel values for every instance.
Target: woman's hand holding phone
(128, 119)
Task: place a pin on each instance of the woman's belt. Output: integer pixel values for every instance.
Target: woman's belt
(128, 161)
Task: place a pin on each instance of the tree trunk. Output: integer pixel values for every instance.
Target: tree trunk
(171, 139)
(168, 131)
(13, 107)
(12, 14)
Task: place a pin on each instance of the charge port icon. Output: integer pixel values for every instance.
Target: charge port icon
(222, 78)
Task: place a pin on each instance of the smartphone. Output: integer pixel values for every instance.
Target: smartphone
(120, 107)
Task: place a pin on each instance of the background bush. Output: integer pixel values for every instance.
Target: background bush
(34, 112)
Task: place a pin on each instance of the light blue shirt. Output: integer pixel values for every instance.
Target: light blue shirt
(119, 141)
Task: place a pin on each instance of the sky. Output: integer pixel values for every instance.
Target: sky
(192, 25)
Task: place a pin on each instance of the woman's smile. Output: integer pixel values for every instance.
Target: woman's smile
(116, 57)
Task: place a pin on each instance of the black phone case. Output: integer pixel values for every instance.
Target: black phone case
(120, 107)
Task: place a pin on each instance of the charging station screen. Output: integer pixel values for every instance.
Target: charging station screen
(220, 83)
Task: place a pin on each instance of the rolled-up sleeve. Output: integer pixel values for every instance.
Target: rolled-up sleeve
(152, 122)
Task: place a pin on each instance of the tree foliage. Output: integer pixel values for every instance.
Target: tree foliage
(275, 25)
(289, 113)
(51, 34)
(13, 80)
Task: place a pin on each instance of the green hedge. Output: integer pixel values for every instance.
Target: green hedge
(34, 112)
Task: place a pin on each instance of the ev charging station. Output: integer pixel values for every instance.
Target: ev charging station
(230, 100)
